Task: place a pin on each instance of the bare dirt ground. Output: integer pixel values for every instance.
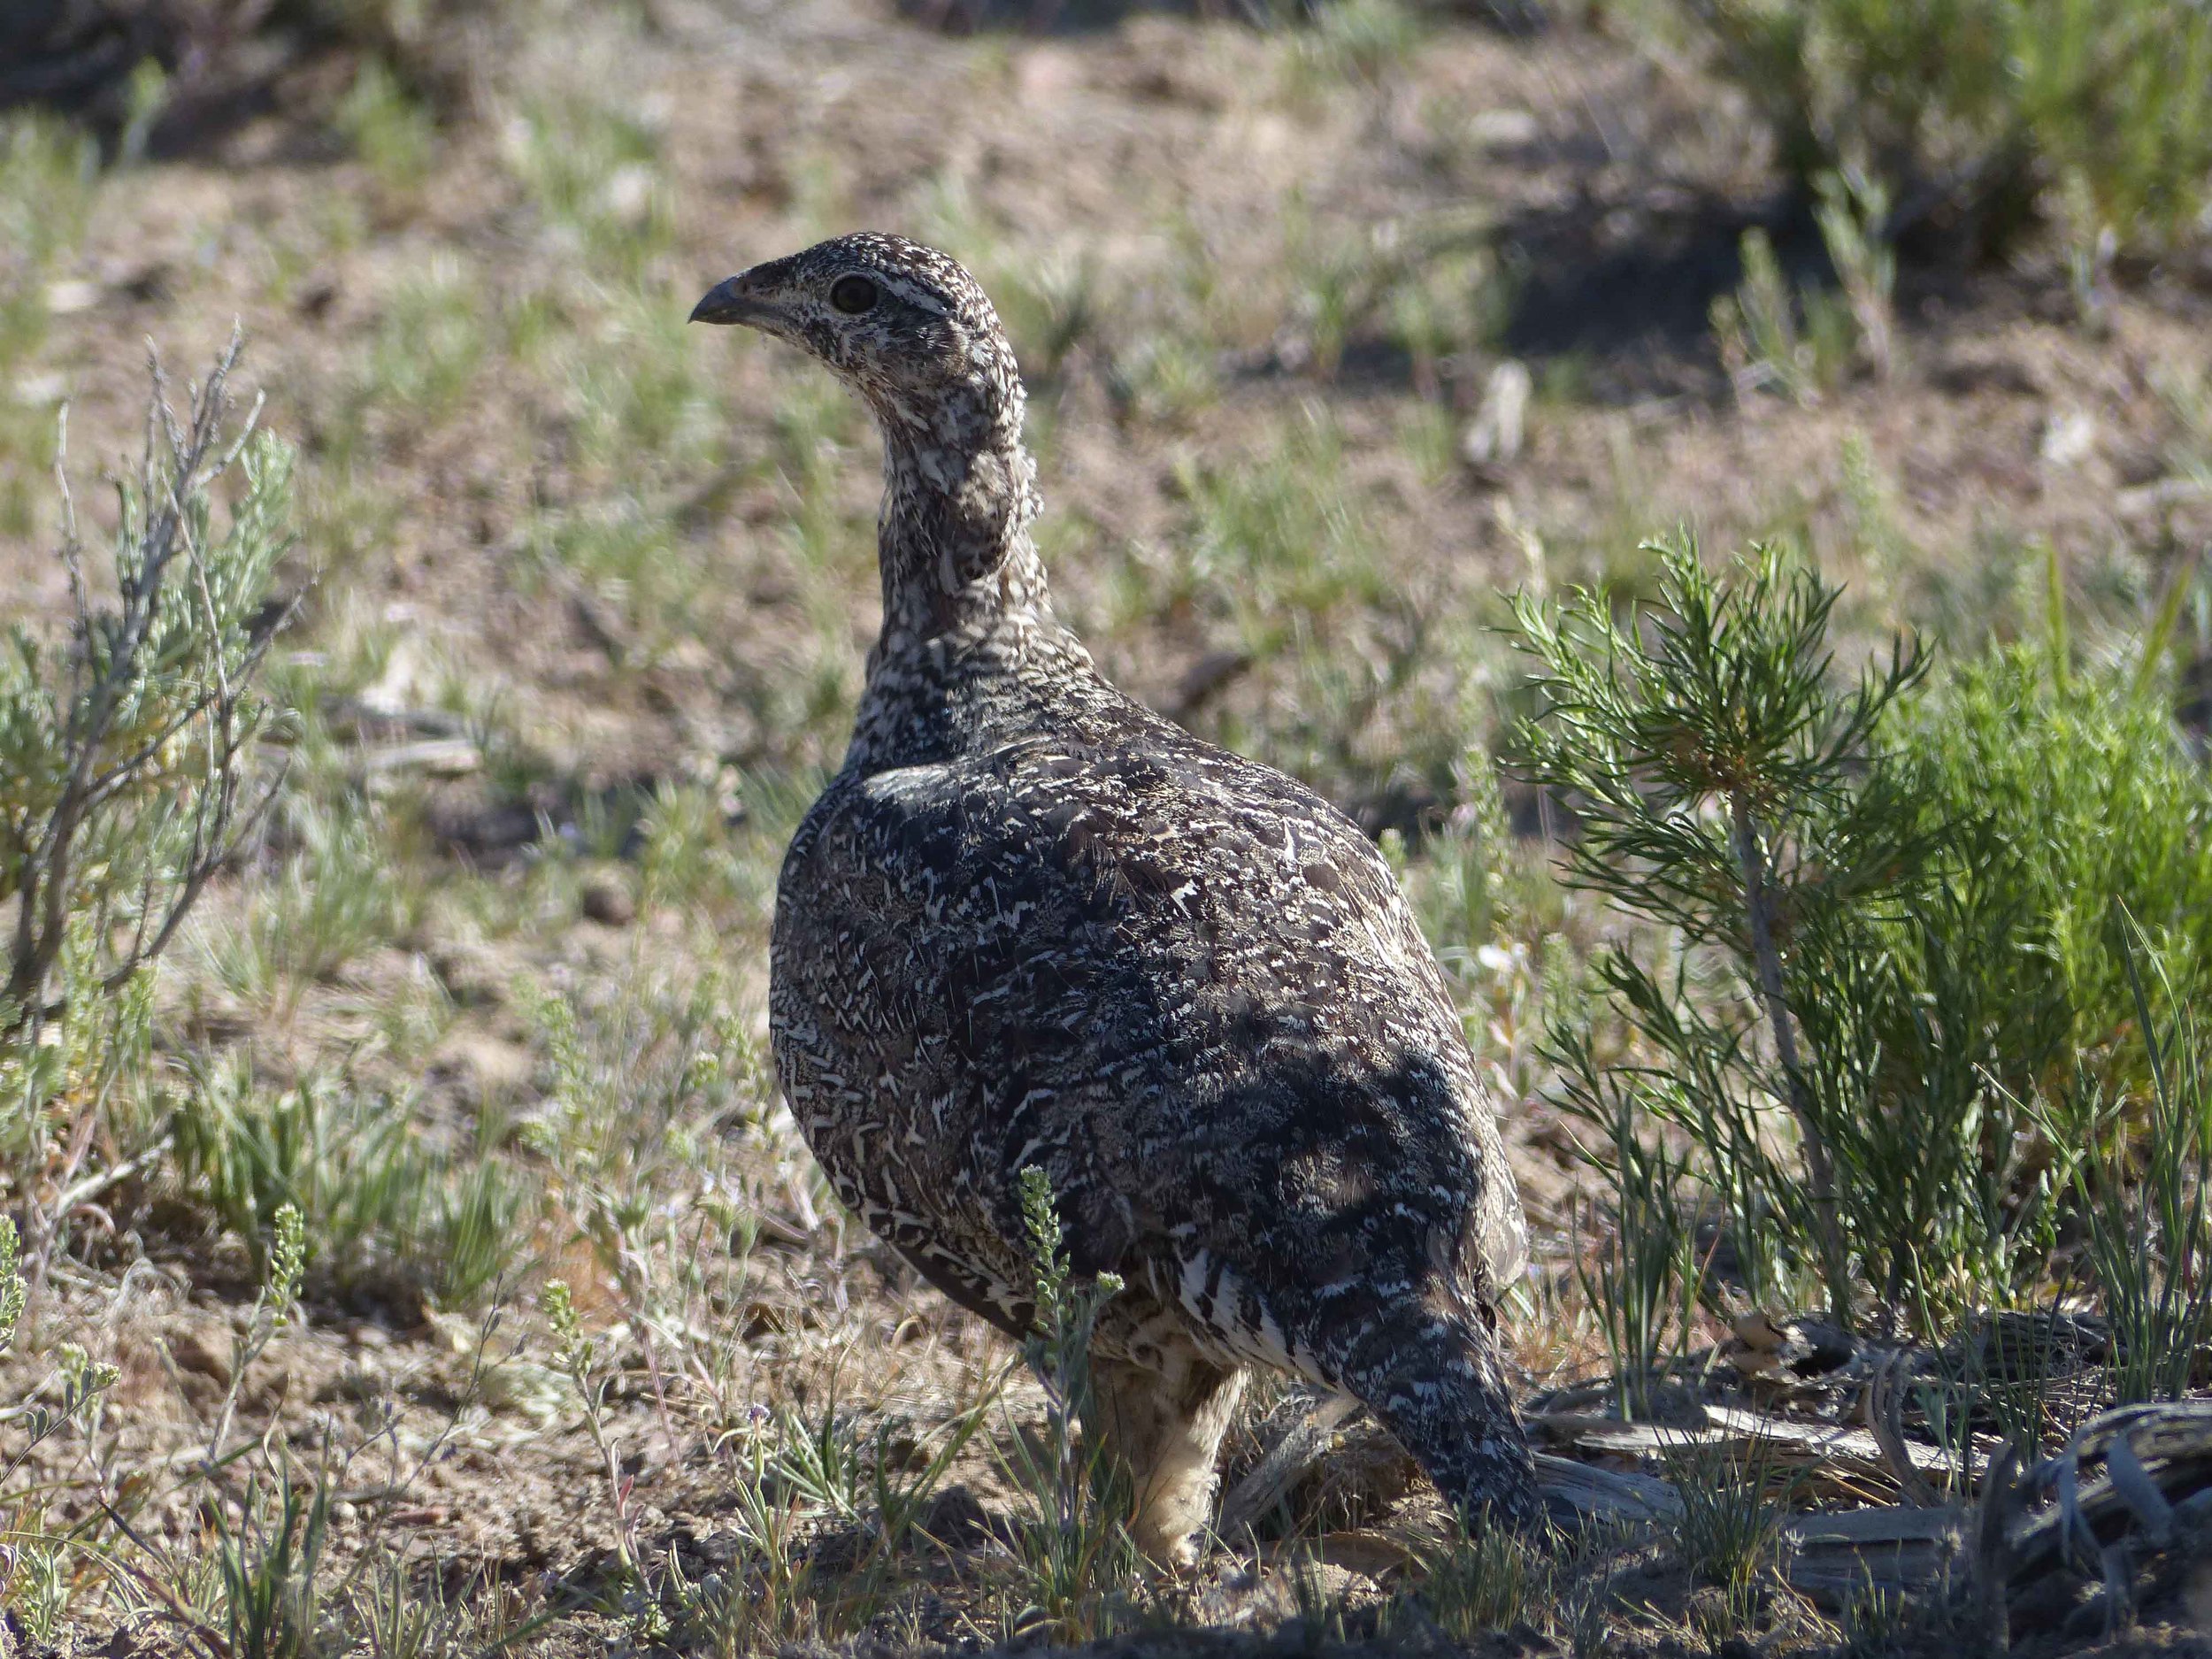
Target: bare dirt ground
(1261, 281)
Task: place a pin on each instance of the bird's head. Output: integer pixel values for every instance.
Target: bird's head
(904, 325)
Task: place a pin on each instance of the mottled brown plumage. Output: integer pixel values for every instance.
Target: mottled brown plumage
(1031, 922)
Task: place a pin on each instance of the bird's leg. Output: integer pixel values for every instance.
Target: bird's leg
(1164, 1428)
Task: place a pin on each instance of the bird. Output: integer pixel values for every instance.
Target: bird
(1030, 924)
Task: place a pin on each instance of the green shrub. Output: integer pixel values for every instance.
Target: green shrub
(333, 898)
(1730, 793)
(2072, 803)
(1762, 341)
(123, 756)
(47, 174)
(48, 177)
(2142, 1184)
(1986, 102)
(389, 129)
(379, 1203)
(1896, 917)
(1490, 1580)
(128, 779)
(1073, 1553)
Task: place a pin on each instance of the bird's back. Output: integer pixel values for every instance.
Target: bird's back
(1175, 979)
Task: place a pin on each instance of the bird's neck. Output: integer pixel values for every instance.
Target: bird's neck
(953, 538)
(970, 650)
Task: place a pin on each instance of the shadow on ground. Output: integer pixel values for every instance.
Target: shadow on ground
(1631, 289)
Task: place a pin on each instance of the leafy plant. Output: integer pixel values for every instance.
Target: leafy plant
(1640, 1276)
(2143, 1197)
(124, 759)
(332, 897)
(1732, 1512)
(1727, 791)
(271, 1560)
(1853, 216)
(1757, 328)
(391, 129)
(400, 1608)
(2072, 791)
(1490, 1580)
(1803, 341)
(128, 778)
(378, 1202)
(13, 1291)
(284, 1262)
(1981, 104)
(1891, 925)
(1073, 1548)
(34, 1584)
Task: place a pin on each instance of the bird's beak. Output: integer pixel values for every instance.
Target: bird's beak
(733, 301)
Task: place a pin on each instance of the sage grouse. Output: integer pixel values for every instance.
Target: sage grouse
(1032, 923)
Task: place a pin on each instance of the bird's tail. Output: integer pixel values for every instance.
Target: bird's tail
(1437, 1383)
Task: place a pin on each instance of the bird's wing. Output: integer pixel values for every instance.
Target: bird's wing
(1178, 980)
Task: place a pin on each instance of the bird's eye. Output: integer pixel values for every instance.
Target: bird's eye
(852, 295)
